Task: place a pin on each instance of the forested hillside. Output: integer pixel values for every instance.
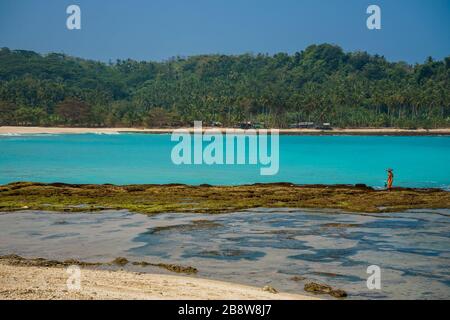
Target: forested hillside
(320, 84)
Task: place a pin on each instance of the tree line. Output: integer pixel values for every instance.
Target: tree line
(320, 84)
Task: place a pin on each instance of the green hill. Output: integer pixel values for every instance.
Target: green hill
(320, 84)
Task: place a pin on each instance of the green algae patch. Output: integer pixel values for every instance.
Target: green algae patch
(152, 199)
(171, 267)
(15, 260)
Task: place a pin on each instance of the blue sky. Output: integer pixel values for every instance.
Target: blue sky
(158, 29)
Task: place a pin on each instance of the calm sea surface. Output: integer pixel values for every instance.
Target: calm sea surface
(256, 247)
(144, 158)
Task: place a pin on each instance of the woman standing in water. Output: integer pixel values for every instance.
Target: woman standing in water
(390, 179)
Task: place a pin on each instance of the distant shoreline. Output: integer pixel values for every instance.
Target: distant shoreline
(4, 130)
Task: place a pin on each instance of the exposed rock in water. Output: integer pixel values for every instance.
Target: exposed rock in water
(11, 257)
(318, 288)
(141, 263)
(167, 266)
(177, 268)
(224, 253)
(340, 225)
(270, 289)
(16, 260)
(326, 274)
(120, 261)
(69, 262)
(298, 278)
(194, 225)
(215, 199)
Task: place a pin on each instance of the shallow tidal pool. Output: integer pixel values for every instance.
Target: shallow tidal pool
(255, 247)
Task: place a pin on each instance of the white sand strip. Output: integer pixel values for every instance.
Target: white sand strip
(29, 282)
(60, 130)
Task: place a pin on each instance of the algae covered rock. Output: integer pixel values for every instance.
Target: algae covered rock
(318, 288)
(270, 289)
(120, 261)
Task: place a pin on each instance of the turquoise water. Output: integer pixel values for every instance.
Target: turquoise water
(143, 158)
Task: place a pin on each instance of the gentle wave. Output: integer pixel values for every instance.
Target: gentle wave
(10, 134)
(27, 134)
(107, 133)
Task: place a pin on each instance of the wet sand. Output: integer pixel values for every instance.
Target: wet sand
(355, 131)
(43, 283)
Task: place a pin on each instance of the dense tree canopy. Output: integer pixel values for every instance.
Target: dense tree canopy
(320, 84)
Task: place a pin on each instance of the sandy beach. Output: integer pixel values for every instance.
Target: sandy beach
(4, 130)
(42, 283)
